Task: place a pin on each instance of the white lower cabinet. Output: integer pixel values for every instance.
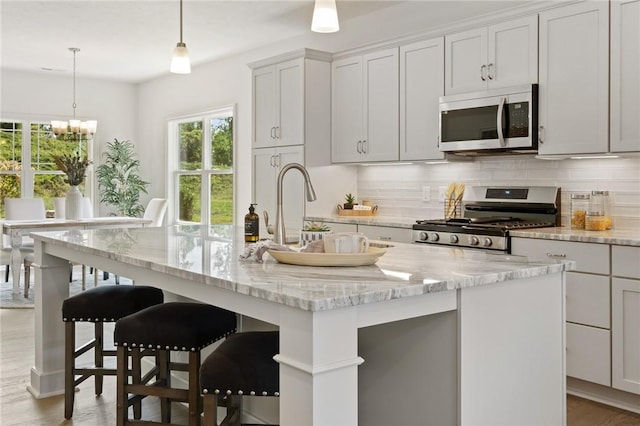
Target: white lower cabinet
(625, 318)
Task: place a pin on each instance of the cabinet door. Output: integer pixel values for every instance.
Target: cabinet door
(421, 85)
(290, 120)
(588, 300)
(381, 97)
(346, 110)
(513, 53)
(574, 79)
(625, 75)
(264, 187)
(293, 198)
(264, 107)
(625, 334)
(465, 61)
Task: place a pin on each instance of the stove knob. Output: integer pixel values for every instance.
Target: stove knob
(434, 237)
(423, 236)
(453, 239)
(487, 242)
(474, 241)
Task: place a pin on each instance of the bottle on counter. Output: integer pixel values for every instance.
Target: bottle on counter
(579, 207)
(251, 226)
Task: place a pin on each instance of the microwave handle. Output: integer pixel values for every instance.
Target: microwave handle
(499, 121)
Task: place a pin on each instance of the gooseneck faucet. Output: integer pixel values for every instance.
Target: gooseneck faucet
(280, 235)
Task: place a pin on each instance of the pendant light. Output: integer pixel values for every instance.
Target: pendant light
(74, 130)
(180, 62)
(325, 17)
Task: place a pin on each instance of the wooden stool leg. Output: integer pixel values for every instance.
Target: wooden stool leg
(195, 400)
(136, 379)
(164, 375)
(69, 365)
(98, 356)
(210, 402)
(121, 382)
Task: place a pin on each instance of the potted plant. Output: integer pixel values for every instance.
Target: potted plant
(118, 179)
(313, 231)
(75, 167)
(350, 201)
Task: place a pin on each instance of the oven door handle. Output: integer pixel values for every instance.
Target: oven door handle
(499, 121)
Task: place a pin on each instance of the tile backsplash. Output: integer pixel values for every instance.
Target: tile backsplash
(398, 189)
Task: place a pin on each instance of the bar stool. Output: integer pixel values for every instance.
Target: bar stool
(175, 326)
(242, 365)
(98, 305)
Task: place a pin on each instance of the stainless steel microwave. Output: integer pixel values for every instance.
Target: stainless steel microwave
(500, 120)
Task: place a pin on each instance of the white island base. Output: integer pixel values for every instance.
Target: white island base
(426, 336)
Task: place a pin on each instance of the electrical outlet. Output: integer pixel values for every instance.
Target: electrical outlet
(442, 191)
(426, 193)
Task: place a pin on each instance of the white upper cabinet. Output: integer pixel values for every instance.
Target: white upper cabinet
(421, 85)
(625, 76)
(291, 100)
(279, 104)
(574, 79)
(365, 111)
(501, 55)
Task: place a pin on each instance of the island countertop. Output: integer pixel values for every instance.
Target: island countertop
(211, 256)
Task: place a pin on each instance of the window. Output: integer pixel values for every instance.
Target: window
(27, 168)
(203, 178)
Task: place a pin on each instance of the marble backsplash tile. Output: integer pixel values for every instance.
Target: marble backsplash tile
(397, 190)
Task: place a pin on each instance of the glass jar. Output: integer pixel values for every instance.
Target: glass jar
(597, 219)
(579, 207)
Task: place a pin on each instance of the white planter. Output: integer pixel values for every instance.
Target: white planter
(73, 204)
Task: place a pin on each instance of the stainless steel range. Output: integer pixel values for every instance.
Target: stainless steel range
(489, 214)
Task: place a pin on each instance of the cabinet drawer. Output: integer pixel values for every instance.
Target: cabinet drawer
(589, 354)
(625, 261)
(588, 299)
(342, 227)
(386, 233)
(589, 257)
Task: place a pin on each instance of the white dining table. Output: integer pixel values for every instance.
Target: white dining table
(16, 229)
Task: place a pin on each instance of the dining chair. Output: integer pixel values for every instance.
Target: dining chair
(21, 209)
(155, 211)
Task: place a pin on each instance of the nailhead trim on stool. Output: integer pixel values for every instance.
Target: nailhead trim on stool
(241, 365)
(175, 326)
(98, 305)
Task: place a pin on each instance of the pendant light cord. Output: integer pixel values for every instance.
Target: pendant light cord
(73, 105)
(181, 22)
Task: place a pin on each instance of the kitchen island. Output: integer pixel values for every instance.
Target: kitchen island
(506, 345)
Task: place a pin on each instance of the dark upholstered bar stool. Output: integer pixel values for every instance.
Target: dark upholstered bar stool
(242, 365)
(98, 305)
(175, 326)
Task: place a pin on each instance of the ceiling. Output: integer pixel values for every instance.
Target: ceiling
(133, 40)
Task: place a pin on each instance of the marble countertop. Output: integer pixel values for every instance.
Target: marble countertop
(624, 237)
(211, 256)
(377, 220)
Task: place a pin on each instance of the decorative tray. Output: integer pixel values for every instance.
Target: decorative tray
(328, 259)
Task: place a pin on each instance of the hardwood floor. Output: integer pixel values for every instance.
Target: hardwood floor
(17, 407)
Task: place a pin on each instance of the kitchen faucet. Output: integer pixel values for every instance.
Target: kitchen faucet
(280, 236)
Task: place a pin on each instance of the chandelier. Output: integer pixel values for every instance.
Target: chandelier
(74, 130)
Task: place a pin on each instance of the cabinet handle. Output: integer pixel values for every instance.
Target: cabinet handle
(359, 147)
(277, 132)
(277, 160)
(482, 71)
(365, 146)
(381, 238)
(272, 161)
(541, 134)
(490, 74)
(557, 256)
(273, 133)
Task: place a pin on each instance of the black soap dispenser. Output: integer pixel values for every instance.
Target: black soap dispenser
(251, 226)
